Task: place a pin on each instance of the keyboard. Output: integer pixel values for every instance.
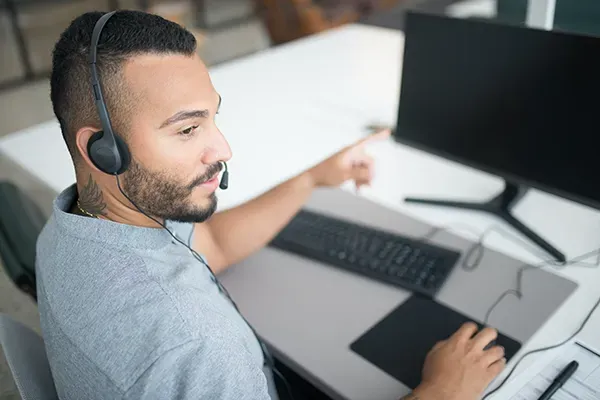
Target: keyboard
(402, 261)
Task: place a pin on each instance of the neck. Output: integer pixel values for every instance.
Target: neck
(104, 200)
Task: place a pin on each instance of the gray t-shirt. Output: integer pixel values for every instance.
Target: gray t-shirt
(129, 313)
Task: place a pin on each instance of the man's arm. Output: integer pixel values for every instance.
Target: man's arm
(232, 235)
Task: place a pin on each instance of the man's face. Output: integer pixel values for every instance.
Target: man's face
(176, 146)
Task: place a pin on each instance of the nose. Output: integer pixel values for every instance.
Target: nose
(218, 151)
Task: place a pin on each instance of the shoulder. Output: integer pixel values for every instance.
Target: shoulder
(100, 303)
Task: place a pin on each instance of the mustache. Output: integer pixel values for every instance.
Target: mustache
(211, 171)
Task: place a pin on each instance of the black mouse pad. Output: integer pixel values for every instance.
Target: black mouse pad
(399, 343)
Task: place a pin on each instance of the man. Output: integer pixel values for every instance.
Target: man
(126, 311)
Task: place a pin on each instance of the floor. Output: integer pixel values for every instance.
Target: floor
(28, 105)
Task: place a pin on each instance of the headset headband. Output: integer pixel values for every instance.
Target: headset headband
(108, 136)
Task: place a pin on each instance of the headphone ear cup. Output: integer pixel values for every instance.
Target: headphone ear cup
(104, 158)
(92, 149)
(124, 153)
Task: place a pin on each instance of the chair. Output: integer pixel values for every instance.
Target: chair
(21, 222)
(26, 356)
(288, 20)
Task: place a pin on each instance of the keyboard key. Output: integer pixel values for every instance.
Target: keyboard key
(400, 260)
(375, 245)
(394, 252)
(383, 254)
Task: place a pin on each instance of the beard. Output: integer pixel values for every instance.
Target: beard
(161, 196)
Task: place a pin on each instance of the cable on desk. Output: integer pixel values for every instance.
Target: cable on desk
(474, 254)
(479, 249)
(518, 292)
(583, 324)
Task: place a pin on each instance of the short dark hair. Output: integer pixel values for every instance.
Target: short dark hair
(127, 33)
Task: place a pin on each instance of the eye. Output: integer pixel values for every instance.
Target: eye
(188, 131)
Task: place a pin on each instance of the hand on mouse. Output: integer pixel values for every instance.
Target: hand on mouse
(460, 367)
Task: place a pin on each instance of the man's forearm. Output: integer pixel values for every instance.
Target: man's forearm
(242, 230)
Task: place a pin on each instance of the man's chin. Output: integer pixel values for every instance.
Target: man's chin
(205, 205)
(197, 213)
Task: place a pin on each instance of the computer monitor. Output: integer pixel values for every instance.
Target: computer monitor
(517, 102)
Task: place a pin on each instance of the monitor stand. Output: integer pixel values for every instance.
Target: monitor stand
(500, 206)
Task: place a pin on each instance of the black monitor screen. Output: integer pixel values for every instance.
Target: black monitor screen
(517, 102)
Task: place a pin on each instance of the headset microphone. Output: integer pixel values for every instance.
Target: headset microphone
(225, 178)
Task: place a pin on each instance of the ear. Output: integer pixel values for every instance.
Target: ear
(82, 137)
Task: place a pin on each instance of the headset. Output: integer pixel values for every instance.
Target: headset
(107, 150)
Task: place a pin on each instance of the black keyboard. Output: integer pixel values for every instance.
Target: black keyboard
(402, 261)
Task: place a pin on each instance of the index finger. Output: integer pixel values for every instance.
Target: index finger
(375, 137)
(465, 332)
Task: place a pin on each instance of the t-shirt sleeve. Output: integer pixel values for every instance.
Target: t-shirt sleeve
(199, 369)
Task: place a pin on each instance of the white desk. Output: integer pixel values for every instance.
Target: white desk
(317, 95)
